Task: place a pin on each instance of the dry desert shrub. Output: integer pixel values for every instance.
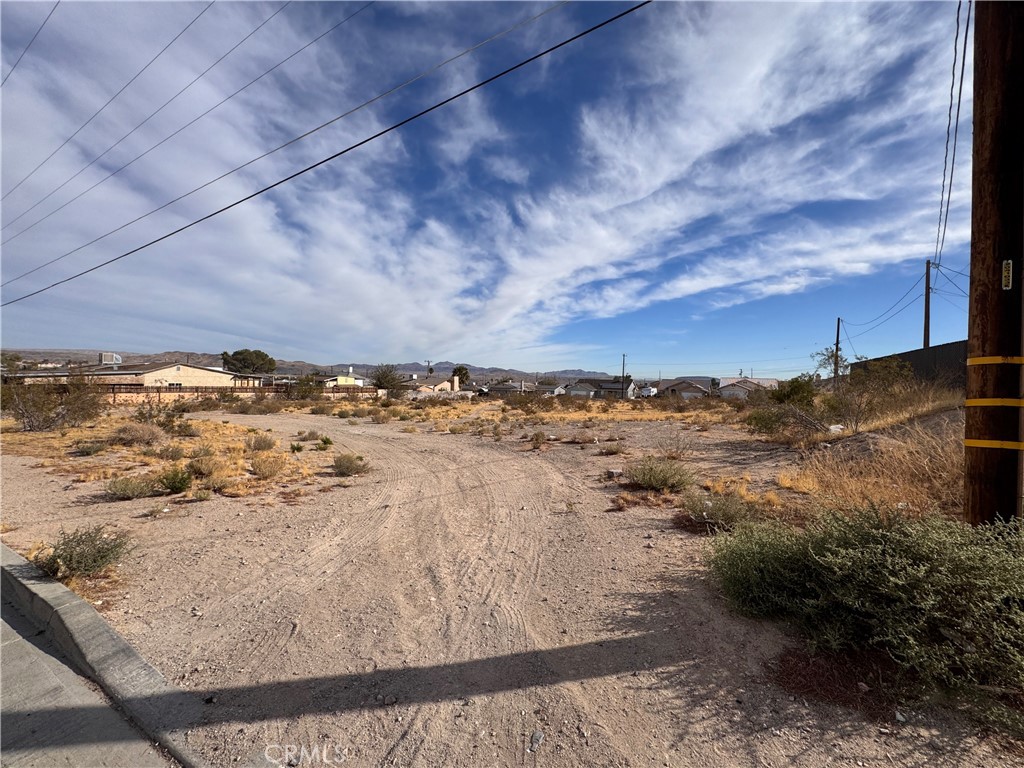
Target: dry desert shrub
(348, 464)
(267, 465)
(658, 474)
(134, 487)
(206, 465)
(83, 552)
(260, 442)
(138, 434)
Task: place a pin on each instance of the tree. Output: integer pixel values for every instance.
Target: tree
(825, 360)
(248, 361)
(462, 372)
(798, 391)
(50, 405)
(386, 376)
(872, 389)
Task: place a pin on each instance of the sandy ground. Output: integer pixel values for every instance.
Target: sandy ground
(466, 603)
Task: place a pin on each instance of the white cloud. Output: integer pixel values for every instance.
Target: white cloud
(745, 113)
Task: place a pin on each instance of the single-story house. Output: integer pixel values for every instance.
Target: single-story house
(580, 390)
(151, 375)
(550, 389)
(342, 380)
(510, 388)
(612, 388)
(740, 389)
(684, 388)
(435, 384)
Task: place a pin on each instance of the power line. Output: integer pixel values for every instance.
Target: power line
(949, 124)
(848, 339)
(903, 309)
(109, 101)
(952, 304)
(895, 304)
(389, 129)
(355, 109)
(957, 271)
(15, 65)
(133, 130)
(956, 132)
(728, 362)
(950, 281)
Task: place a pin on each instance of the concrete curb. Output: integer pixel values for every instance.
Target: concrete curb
(99, 653)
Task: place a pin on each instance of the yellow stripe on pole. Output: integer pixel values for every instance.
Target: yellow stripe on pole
(995, 360)
(1009, 402)
(1009, 444)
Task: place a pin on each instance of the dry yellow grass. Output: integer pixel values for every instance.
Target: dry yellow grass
(798, 482)
(914, 469)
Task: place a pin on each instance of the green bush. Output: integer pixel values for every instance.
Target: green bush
(325, 441)
(765, 421)
(537, 439)
(657, 474)
(175, 480)
(83, 552)
(943, 599)
(135, 487)
(714, 514)
(348, 464)
(296, 447)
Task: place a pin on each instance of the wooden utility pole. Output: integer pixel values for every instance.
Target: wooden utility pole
(994, 435)
(835, 362)
(623, 396)
(927, 303)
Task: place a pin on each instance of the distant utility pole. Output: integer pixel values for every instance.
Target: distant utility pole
(835, 361)
(927, 303)
(994, 432)
(623, 395)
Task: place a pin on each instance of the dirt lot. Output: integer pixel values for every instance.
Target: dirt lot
(466, 603)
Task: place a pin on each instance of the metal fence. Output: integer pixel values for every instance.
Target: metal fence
(946, 363)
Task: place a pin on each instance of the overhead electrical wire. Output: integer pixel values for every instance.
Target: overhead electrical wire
(191, 122)
(351, 147)
(848, 339)
(950, 281)
(890, 309)
(355, 109)
(159, 109)
(109, 101)
(957, 271)
(949, 125)
(956, 133)
(895, 314)
(20, 57)
(955, 306)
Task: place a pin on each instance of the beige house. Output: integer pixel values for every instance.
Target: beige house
(171, 375)
(435, 384)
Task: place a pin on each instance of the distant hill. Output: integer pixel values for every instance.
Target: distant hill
(297, 367)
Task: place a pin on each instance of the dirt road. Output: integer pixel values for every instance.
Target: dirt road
(466, 603)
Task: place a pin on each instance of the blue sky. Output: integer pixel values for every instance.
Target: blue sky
(704, 187)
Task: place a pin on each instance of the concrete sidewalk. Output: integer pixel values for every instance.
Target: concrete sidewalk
(53, 717)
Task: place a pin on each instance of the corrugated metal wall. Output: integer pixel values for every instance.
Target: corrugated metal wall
(943, 362)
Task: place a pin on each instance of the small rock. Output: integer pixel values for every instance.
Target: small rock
(649, 545)
(390, 700)
(210, 700)
(863, 687)
(536, 740)
(648, 535)
(900, 717)
(884, 731)
(613, 473)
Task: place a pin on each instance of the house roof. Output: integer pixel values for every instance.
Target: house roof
(132, 370)
(682, 384)
(750, 383)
